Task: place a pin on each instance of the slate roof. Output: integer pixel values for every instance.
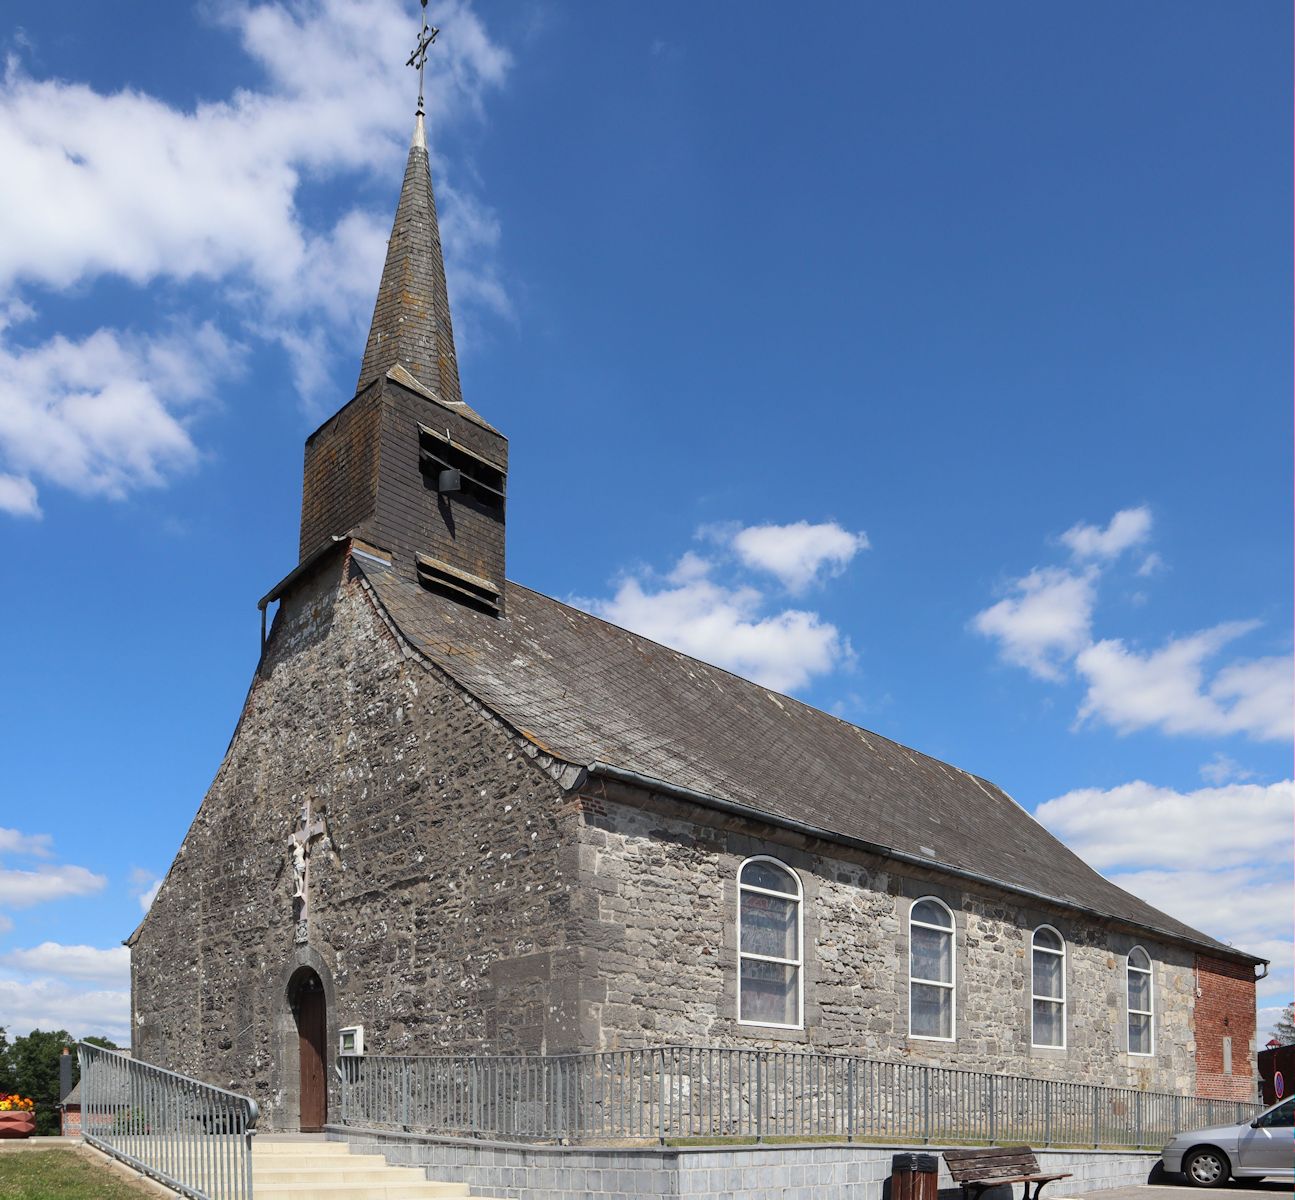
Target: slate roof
(588, 692)
(113, 1089)
(411, 325)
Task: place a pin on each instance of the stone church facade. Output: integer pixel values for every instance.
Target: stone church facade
(466, 817)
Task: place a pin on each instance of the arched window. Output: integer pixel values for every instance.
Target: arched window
(769, 987)
(1049, 988)
(1141, 1006)
(930, 970)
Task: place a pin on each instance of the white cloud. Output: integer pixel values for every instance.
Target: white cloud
(1129, 527)
(1217, 858)
(107, 414)
(5, 924)
(50, 1004)
(14, 841)
(1045, 625)
(22, 889)
(723, 625)
(144, 886)
(124, 184)
(18, 496)
(799, 554)
(1266, 1028)
(1141, 825)
(728, 623)
(73, 962)
(1223, 769)
(1044, 622)
(1167, 689)
(149, 894)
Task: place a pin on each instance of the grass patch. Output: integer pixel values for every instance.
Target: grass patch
(60, 1175)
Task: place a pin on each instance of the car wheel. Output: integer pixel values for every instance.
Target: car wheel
(1207, 1167)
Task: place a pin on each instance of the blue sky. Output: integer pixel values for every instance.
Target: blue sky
(930, 362)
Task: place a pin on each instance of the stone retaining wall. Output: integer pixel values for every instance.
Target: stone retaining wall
(830, 1172)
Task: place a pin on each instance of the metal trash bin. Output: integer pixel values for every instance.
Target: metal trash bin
(914, 1177)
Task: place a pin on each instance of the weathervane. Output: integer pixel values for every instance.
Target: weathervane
(419, 57)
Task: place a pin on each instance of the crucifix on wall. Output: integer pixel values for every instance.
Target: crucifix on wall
(309, 830)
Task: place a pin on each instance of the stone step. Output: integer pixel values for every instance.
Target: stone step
(308, 1162)
(299, 1169)
(363, 1191)
(262, 1145)
(342, 1173)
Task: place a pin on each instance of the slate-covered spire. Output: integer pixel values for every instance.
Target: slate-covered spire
(411, 320)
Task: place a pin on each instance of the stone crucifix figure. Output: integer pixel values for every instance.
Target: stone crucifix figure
(309, 830)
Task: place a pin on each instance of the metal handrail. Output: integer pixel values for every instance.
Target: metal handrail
(193, 1136)
(672, 1092)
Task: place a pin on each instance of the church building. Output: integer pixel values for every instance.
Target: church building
(457, 815)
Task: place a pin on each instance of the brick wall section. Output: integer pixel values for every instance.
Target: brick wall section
(1225, 1008)
(439, 902)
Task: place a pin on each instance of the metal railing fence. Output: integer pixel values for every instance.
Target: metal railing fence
(677, 1092)
(190, 1135)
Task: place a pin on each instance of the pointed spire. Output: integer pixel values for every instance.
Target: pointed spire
(411, 320)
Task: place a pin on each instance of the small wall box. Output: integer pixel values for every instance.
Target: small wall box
(351, 1040)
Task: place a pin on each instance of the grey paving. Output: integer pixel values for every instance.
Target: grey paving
(1249, 1190)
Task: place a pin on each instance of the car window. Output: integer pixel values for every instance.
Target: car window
(1281, 1117)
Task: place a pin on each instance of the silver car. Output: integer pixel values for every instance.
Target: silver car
(1249, 1149)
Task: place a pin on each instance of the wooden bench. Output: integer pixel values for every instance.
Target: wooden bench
(993, 1166)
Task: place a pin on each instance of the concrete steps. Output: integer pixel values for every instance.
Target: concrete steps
(309, 1170)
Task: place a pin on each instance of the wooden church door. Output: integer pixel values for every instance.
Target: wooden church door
(312, 1036)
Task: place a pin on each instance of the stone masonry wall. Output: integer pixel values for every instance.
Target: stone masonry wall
(1225, 1029)
(662, 889)
(833, 1172)
(439, 898)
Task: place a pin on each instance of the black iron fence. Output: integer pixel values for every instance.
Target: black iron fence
(679, 1092)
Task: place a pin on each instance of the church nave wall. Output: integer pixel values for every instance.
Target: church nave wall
(667, 896)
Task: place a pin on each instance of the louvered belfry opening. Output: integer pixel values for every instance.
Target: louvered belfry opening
(407, 467)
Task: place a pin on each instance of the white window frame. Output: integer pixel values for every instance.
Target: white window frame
(952, 930)
(798, 962)
(1150, 1011)
(1034, 991)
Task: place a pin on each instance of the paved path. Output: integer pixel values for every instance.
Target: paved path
(1265, 1189)
(12, 1145)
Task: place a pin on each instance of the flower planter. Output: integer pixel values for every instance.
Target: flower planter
(17, 1124)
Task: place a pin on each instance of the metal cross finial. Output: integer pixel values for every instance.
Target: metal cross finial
(419, 57)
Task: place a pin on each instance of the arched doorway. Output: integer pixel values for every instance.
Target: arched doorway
(310, 1010)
